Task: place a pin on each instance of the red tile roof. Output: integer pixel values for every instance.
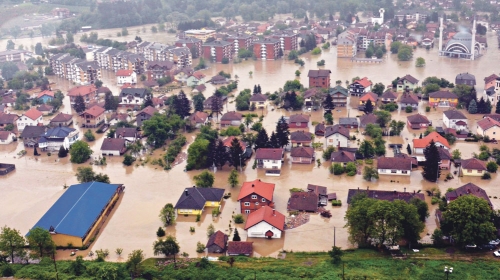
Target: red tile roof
(219, 239)
(33, 113)
(299, 118)
(268, 215)
(148, 110)
(364, 82)
(418, 119)
(94, 111)
(369, 96)
(235, 248)
(82, 90)
(266, 190)
(473, 163)
(228, 140)
(269, 153)
(305, 152)
(425, 141)
(396, 163)
(468, 189)
(198, 117)
(123, 72)
(487, 123)
(303, 201)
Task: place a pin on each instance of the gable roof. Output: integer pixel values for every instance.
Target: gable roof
(45, 92)
(32, 131)
(218, 238)
(299, 118)
(306, 152)
(343, 157)
(408, 99)
(367, 119)
(266, 190)
(338, 89)
(137, 92)
(113, 144)
(269, 153)
(82, 90)
(301, 136)
(258, 97)
(454, 115)
(8, 118)
(468, 189)
(45, 108)
(4, 134)
(389, 95)
(268, 215)
(319, 190)
(490, 78)
(58, 132)
(195, 198)
(231, 116)
(61, 117)
(123, 72)
(443, 94)
(473, 163)
(198, 117)
(148, 111)
(330, 130)
(303, 201)
(126, 131)
(348, 121)
(364, 82)
(227, 142)
(385, 195)
(319, 73)
(487, 123)
(396, 163)
(425, 141)
(94, 111)
(33, 113)
(369, 96)
(409, 78)
(239, 248)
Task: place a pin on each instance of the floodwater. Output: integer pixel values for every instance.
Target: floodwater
(38, 182)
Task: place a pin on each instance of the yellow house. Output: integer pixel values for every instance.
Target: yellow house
(258, 100)
(488, 127)
(443, 99)
(473, 167)
(79, 213)
(194, 200)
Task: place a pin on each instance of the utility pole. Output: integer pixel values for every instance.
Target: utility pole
(334, 229)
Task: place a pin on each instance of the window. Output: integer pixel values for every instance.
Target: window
(257, 203)
(298, 124)
(254, 196)
(393, 171)
(263, 200)
(247, 204)
(247, 211)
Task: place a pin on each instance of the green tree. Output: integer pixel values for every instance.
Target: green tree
(236, 236)
(370, 173)
(282, 132)
(204, 180)
(78, 267)
(236, 154)
(198, 102)
(368, 107)
(456, 154)
(167, 247)
(11, 45)
(182, 106)
(89, 135)
(395, 47)
(469, 220)
(297, 73)
(432, 159)
(40, 242)
(420, 62)
(9, 69)
(383, 117)
(80, 152)
(366, 149)
(128, 160)
(69, 38)
(338, 169)
(11, 242)
(422, 208)
(167, 214)
(378, 89)
(357, 220)
(473, 107)
(198, 153)
(85, 174)
(497, 108)
(492, 167)
(405, 53)
(327, 153)
(134, 260)
(62, 152)
(262, 139)
(79, 104)
(233, 178)
(336, 254)
(38, 49)
(160, 127)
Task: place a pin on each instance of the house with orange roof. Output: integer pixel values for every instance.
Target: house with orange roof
(92, 117)
(359, 87)
(197, 119)
(255, 195)
(88, 92)
(368, 96)
(420, 144)
(265, 223)
(45, 96)
(32, 117)
(126, 77)
(488, 127)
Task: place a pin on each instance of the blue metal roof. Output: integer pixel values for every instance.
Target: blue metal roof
(58, 132)
(77, 209)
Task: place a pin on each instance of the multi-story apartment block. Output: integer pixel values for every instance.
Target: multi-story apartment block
(216, 51)
(288, 40)
(240, 41)
(267, 49)
(193, 44)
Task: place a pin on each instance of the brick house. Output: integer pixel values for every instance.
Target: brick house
(298, 121)
(255, 195)
(267, 49)
(92, 117)
(88, 92)
(319, 78)
(216, 51)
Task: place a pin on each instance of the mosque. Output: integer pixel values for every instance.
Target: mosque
(462, 45)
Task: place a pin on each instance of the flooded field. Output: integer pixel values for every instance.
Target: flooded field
(38, 182)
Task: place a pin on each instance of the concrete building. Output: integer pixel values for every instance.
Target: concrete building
(218, 51)
(267, 49)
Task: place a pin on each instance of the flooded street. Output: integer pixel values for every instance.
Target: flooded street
(38, 182)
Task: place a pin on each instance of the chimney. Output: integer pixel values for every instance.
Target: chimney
(186, 192)
(367, 188)
(253, 185)
(274, 212)
(413, 191)
(405, 190)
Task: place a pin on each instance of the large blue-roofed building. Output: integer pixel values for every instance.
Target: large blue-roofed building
(79, 212)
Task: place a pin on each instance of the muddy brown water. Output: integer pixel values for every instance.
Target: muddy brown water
(38, 182)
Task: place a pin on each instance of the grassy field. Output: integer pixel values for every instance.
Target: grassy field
(357, 264)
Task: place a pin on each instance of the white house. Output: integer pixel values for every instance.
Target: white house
(269, 158)
(130, 134)
(132, 97)
(6, 137)
(113, 147)
(126, 77)
(265, 223)
(337, 136)
(32, 117)
(54, 138)
(455, 119)
(394, 166)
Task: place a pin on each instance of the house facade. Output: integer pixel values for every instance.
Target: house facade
(420, 144)
(32, 117)
(132, 97)
(267, 49)
(217, 51)
(302, 155)
(407, 83)
(418, 121)
(473, 167)
(92, 117)
(319, 78)
(443, 99)
(359, 87)
(488, 127)
(6, 137)
(126, 77)
(266, 222)
(455, 119)
(145, 114)
(193, 201)
(231, 119)
(255, 195)
(337, 136)
(269, 158)
(217, 243)
(299, 121)
(259, 101)
(54, 138)
(394, 166)
(408, 99)
(339, 96)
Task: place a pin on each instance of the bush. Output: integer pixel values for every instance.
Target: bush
(238, 219)
(369, 161)
(492, 167)
(427, 109)
(351, 173)
(160, 232)
(434, 200)
(486, 176)
(336, 203)
(89, 135)
(408, 109)
(191, 229)
(328, 152)
(316, 51)
(62, 152)
(338, 169)
(128, 160)
(200, 247)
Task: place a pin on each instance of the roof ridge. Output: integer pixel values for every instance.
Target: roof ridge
(67, 213)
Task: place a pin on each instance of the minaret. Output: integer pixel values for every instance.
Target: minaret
(440, 46)
(473, 43)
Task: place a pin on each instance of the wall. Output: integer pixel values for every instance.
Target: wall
(64, 240)
(337, 140)
(472, 172)
(189, 212)
(260, 229)
(389, 172)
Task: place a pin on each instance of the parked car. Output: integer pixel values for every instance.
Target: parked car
(471, 246)
(487, 247)
(496, 253)
(495, 242)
